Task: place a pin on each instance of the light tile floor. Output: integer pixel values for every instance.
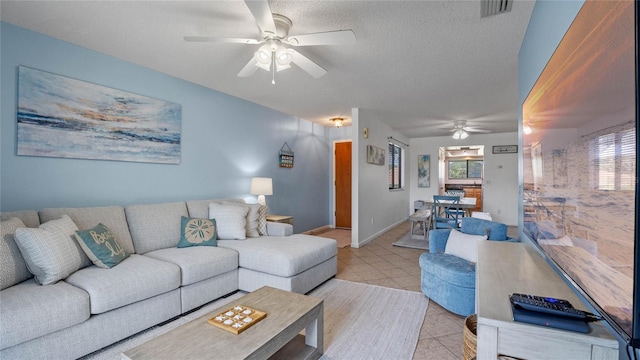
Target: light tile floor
(380, 263)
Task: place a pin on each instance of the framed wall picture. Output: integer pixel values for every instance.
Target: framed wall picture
(63, 117)
(505, 149)
(375, 155)
(424, 171)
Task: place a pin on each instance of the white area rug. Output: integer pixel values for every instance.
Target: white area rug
(360, 322)
(370, 322)
(412, 241)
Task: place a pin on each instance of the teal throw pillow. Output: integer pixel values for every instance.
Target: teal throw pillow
(197, 232)
(101, 246)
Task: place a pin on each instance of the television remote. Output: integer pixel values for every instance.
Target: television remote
(546, 305)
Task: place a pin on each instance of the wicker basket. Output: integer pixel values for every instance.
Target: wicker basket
(469, 343)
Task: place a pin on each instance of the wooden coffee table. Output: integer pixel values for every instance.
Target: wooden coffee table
(276, 336)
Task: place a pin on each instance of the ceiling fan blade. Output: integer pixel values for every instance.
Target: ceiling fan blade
(222, 40)
(262, 13)
(340, 37)
(471, 129)
(307, 65)
(248, 69)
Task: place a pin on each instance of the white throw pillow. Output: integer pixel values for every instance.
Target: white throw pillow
(51, 252)
(463, 245)
(230, 220)
(252, 217)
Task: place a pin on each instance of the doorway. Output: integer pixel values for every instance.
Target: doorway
(462, 168)
(342, 183)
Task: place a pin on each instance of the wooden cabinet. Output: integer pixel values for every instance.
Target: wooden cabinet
(474, 192)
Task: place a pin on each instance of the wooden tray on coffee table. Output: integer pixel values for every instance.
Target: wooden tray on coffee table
(237, 319)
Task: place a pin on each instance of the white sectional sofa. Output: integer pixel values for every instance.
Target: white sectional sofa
(94, 307)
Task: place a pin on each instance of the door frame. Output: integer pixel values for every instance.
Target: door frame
(333, 192)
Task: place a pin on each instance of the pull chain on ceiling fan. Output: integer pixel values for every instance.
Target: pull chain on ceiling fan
(273, 55)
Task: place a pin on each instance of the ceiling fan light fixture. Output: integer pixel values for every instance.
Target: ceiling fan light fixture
(526, 129)
(460, 134)
(337, 122)
(284, 57)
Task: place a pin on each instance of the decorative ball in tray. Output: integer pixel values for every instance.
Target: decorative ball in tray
(237, 319)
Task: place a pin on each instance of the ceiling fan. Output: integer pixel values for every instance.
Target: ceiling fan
(274, 34)
(461, 130)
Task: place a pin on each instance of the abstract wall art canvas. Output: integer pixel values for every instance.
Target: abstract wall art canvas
(63, 117)
(375, 155)
(424, 171)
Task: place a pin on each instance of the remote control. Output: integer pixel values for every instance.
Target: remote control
(546, 305)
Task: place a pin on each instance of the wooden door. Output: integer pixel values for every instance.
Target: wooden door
(343, 184)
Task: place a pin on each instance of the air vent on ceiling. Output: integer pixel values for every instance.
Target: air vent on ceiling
(494, 7)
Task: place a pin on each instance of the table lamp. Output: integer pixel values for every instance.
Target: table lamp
(261, 186)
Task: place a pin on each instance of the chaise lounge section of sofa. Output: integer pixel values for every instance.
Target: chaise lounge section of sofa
(95, 307)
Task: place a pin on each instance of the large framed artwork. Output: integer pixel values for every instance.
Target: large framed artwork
(63, 117)
(375, 155)
(424, 171)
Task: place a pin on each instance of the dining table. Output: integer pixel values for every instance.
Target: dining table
(466, 204)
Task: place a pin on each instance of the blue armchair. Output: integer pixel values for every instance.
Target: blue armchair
(449, 280)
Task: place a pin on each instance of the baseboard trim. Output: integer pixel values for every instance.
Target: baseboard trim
(370, 238)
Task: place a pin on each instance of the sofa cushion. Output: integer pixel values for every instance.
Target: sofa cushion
(51, 252)
(493, 230)
(282, 256)
(101, 246)
(85, 218)
(155, 226)
(463, 245)
(198, 263)
(251, 219)
(136, 278)
(450, 269)
(13, 269)
(230, 219)
(29, 310)
(197, 232)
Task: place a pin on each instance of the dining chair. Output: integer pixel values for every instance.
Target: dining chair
(446, 211)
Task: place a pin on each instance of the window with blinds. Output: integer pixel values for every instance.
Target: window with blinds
(613, 156)
(395, 166)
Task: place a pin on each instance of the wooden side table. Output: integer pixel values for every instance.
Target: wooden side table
(280, 219)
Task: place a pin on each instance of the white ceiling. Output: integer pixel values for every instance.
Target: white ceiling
(417, 65)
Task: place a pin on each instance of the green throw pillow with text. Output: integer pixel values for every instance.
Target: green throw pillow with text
(101, 246)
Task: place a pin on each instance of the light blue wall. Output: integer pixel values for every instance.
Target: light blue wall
(225, 142)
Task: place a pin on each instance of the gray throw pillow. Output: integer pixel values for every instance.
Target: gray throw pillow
(13, 269)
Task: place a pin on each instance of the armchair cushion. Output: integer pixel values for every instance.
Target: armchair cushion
(450, 269)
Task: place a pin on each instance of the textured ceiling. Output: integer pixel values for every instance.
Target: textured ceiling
(417, 65)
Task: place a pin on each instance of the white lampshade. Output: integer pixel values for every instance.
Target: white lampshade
(261, 186)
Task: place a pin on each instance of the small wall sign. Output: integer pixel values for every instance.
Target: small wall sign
(285, 156)
(505, 149)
